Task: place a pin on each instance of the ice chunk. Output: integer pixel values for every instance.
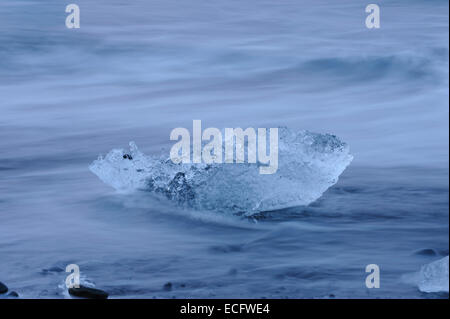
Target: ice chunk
(308, 165)
(433, 277)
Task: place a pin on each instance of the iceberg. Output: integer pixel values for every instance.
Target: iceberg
(433, 277)
(308, 164)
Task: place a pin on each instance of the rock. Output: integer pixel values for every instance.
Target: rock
(3, 288)
(13, 294)
(125, 156)
(168, 286)
(426, 252)
(86, 292)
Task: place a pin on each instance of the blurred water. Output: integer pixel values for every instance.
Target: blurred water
(135, 71)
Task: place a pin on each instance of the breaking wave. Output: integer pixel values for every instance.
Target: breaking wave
(308, 164)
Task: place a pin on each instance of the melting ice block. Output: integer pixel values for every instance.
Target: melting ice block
(308, 164)
(433, 277)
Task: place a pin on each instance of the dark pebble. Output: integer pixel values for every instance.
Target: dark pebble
(13, 294)
(168, 286)
(332, 296)
(125, 156)
(86, 292)
(426, 252)
(3, 288)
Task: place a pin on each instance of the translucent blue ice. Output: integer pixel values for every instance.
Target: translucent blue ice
(433, 277)
(309, 164)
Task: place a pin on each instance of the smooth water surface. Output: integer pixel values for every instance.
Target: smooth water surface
(136, 70)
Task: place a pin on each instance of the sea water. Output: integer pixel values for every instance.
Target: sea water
(133, 71)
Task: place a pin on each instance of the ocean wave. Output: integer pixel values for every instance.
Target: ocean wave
(309, 164)
(357, 69)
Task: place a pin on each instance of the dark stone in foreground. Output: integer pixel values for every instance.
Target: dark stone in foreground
(13, 294)
(168, 286)
(86, 292)
(3, 288)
